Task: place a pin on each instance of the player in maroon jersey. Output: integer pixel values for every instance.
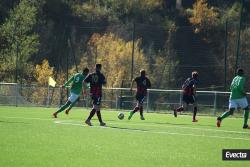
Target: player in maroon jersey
(143, 83)
(96, 81)
(188, 95)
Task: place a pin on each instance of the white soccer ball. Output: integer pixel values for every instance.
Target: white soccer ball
(120, 116)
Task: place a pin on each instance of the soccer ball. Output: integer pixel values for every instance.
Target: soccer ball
(120, 116)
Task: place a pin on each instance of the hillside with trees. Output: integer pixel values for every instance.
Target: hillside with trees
(168, 38)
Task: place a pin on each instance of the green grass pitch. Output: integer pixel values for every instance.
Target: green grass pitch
(29, 136)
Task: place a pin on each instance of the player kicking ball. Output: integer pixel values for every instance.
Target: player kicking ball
(76, 84)
(188, 95)
(143, 83)
(237, 99)
(96, 81)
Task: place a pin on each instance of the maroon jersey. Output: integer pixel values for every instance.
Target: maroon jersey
(96, 81)
(143, 83)
(187, 86)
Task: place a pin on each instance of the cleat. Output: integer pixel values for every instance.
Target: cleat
(142, 118)
(175, 113)
(88, 122)
(55, 115)
(194, 120)
(246, 127)
(102, 124)
(67, 112)
(218, 122)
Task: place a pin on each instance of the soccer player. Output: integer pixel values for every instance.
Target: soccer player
(188, 95)
(76, 84)
(96, 80)
(237, 99)
(143, 83)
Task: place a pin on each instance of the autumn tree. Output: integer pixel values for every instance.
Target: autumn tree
(203, 17)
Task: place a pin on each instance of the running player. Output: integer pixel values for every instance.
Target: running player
(76, 84)
(143, 83)
(237, 99)
(96, 81)
(188, 95)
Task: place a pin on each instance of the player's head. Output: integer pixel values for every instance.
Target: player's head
(143, 72)
(85, 71)
(240, 72)
(194, 74)
(98, 67)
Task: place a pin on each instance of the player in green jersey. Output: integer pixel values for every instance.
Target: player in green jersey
(237, 99)
(76, 84)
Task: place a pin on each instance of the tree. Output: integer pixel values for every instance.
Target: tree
(203, 17)
(19, 39)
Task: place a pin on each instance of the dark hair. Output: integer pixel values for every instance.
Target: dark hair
(195, 74)
(143, 72)
(240, 71)
(86, 70)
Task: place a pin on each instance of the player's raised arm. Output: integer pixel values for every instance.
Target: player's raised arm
(68, 82)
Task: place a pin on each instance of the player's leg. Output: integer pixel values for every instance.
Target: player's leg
(71, 99)
(61, 108)
(92, 112)
(135, 109)
(141, 107)
(246, 116)
(194, 101)
(183, 105)
(232, 106)
(243, 103)
(71, 105)
(98, 112)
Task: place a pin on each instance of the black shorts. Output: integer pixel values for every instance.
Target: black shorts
(140, 98)
(189, 99)
(96, 100)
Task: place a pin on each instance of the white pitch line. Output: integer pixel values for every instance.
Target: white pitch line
(155, 132)
(145, 125)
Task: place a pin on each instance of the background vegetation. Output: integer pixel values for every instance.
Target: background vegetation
(63, 36)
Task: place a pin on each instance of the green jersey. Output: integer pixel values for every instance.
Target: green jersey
(76, 82)
(237, 87)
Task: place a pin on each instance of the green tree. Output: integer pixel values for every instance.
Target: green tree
(19, 39)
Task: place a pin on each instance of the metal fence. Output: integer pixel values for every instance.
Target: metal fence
(158, 100)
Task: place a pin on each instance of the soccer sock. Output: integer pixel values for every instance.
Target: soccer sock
(99, 116)
(194, 114)
(141, 111)
(64, 107)
(135, 109)
(180, 109)
(72, 105)
(246, 115)
(91, 114)
(225, 115)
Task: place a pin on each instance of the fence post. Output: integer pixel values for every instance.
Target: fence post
(116, 99)
(180, 93)
(60, 96)
(16, 94)
(215, 102)
(147, 100)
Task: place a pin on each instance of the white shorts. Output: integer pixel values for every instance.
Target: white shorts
(235, 103)
(73, 97)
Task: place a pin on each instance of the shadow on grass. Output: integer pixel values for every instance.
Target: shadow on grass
(125, 128)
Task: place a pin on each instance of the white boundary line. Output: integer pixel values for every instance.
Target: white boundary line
(137, 124)
(155, 132)
(69, 122)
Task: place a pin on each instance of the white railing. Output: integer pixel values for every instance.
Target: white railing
(158, 100)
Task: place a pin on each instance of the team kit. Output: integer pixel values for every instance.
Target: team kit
(80, 82)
